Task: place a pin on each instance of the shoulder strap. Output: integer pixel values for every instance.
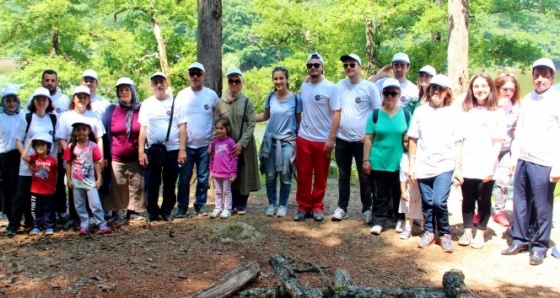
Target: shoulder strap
(53, 121)
(375, 116)
(243, 119)
(28, 118)
(295, 110)
(170, 120)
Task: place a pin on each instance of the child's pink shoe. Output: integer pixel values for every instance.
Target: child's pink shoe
(104, 230)
(83, 231)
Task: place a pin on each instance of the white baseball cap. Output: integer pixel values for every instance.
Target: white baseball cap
(124, 81)
(90, 73)
(158, 74)
(401, 57)
(391, 82)
(45, 137)
(41, 92)
(196, 65)
(81, 120)
(441, 80)
(351, 56)
(81, 89)
(315, 56)
(234, 71)
(430, 70)
(9, 91)
(545, 62)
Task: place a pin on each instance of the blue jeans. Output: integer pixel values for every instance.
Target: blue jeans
(153, 178)
(285, 175)
(435, 192)
(198, 156)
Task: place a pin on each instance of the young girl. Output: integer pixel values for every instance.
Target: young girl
(223, 167)
(411, 202)
(43, 183)
(83, 156)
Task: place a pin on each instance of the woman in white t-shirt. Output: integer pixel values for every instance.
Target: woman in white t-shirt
(483, 129)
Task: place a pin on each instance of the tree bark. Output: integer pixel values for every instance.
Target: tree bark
(458, 49)
(55, 45)
(371, 55)
(232, 282)
(341, 278)
(209, 45)
(161, 45)
(289, 279)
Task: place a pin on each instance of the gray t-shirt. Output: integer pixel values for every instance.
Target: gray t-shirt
(282, 114)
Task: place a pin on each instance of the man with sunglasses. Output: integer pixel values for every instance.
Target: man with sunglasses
(196, 104)
(400, 65)
(315, 141)
(358, 99)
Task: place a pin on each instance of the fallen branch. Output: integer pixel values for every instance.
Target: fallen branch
(232, 282)
(314, 268)
(289, 279)
(341, 278)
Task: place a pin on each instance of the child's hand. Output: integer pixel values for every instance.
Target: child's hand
(404, 196)
(70, 184)
(232, 178)
(98, 183)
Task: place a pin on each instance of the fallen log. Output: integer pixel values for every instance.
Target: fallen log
(272, 292)
(341, 278)
(231, 282)
(289, 279)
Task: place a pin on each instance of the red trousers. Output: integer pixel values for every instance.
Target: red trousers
(311, 161)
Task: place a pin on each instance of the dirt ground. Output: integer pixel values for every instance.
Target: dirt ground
(179, 258)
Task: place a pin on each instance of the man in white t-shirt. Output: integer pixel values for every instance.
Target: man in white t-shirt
(161, 147)
(98, 103)
(358, 99)
(196, 106)
(315, 140)
(400, 65)
(536, 164)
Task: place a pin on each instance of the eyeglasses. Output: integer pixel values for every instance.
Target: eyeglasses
(311, 65)
(195, 73)
(508, 90)
(352, 65)
(234, 81)
(390, 93)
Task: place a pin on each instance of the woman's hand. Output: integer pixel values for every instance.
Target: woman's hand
(98, 183)
(70, 184)
(143, 159)
(459, 176)
(366, 166)
(237, 150)
(404, 196)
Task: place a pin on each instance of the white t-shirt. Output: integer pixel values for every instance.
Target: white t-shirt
(438, 132)
(99, 105)
(60, 101)
(196, 108)
(480, 127)
(319, 101)
(154, 114)
(409, 91)
(8, 129)
(64, 124)
(37, 125)
(357, 102)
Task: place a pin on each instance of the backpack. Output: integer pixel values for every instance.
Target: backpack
(405, 110)
(29, 116)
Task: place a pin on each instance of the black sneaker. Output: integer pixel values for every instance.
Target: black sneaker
(300, 216)
(182, 212)
(10, 231)
(152, 218)
(318, 216)
(167, 217)
(200, 211)
(70, 223)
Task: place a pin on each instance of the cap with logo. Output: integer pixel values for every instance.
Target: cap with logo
(315, 56)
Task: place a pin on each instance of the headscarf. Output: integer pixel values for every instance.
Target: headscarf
(7, 92)
(129, 107)
(229, 96)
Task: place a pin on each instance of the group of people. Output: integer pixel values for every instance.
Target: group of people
(410, 142)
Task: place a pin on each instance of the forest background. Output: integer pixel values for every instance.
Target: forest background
(119, 38)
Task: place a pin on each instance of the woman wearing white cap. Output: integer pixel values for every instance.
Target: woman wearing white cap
(9, 155)
(39, 120)
(123, 176)
(434, 154)
(80, 107)
(425, 75)
(240, 111)
(484, 128)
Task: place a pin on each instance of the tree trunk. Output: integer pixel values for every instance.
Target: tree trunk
(371, 55)
(209, 45)
(161, 46)
(458, 48)
(54, 43)
(436, 35)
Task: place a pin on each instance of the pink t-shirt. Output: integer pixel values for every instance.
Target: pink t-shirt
(223, 164)
(83, 170)
(124, 149)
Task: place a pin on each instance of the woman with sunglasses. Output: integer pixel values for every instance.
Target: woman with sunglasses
(434, 148)
(283, 110)
(383, 146)
(509, 98)
(484, 128)
(240, 111)
(10, 116)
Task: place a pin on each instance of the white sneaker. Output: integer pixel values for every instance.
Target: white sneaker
(399, 226)
(270, 210)
(368, 216)
(225, 214)
(215, 213)
(376, 230)
(282, 211)
(339, 214)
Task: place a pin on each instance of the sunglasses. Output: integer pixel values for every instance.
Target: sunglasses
(352, 65)
(311, 65)
(234, 81)
(390, 93)
(195, 73)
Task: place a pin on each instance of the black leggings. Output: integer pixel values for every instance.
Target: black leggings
(475, 191)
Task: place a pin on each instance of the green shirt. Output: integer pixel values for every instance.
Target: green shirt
(387, 147)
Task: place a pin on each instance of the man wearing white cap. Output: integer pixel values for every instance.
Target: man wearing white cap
(358, 98)
(161, 147)
(315, 141)
(196, 107)
(60, 101)
(98, 103)
(400, 66)
(536, 157)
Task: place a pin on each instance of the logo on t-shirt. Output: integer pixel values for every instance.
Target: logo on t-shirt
(168, 113)
(206, 107)
(51, 132)
(358, 100)
(403, 99)
(42, 174)
(58, 110)
(317, 97)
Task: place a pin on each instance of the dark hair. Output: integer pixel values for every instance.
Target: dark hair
(48, 72)
(224, 121)
(49, 145)
(446, 101)
(74, 140)
(286, 74)
(73, 105)
(502, 79)
(470, 100)
(543, 66)
(32, 108)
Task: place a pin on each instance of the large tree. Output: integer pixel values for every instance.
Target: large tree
(458, 47)
(209, 46)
